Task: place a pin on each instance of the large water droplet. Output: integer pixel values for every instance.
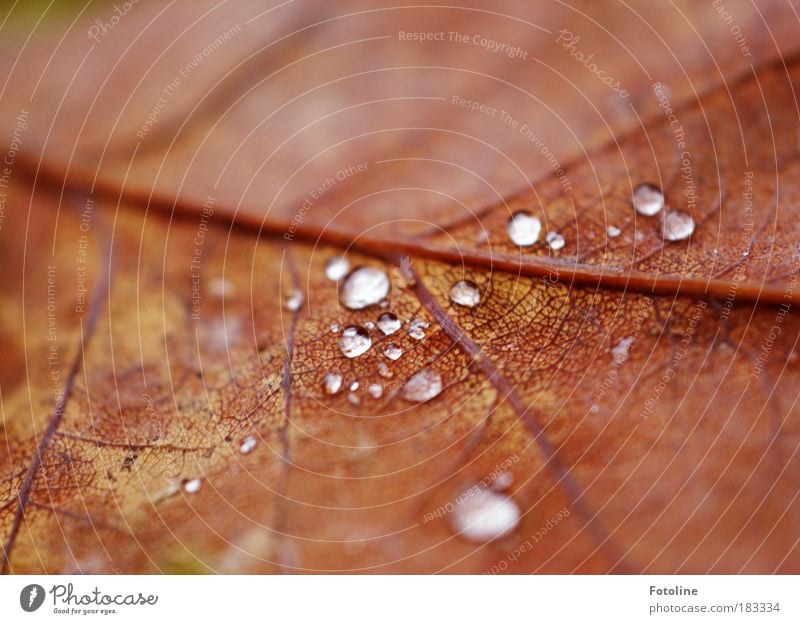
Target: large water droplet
(555, 241)
(392, 352)
(416, 329)
(192, 486)
(524, 229)
(332, 383)
(678, 225)
(364, 287)
(248, 444)
(336, 268)
(484, 515)
(355, 341)
(423, 386)
(465, 293)
(294, 300)
(388, 323)
(648, 200)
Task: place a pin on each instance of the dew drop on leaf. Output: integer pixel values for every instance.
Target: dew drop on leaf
(524, 229)
(484, 515)
(336, 268)
(192, 486)
(294, 300)
(384, 370)
(555, 241)
(375, 391)
(621, 351)
(248, 444)
(678, 225)
(355, 341)
(332, 383)
(416, 329)
(364, 287)
(392, 352)
(423, 386)
(388, 323)
(648, 200)
(613, 231)
(465, 293)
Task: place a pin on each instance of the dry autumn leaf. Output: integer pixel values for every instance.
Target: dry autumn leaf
(303, 289)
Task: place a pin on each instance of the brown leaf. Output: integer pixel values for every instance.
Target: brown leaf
(170, 325)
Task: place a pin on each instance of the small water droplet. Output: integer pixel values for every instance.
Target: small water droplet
(555, 241)
(621, 351)
(613, 231)
(294, 300)
(375, 391)
(248, 444)
(364, 287)
(355, 341)
(334, 328)
(369, 325)
(416, 329)
(594, 409)
(384, 370)
(220, 287)
(336, 268)
(524, 229)
(648, 200)
(353, 398)
(332, 383)
(503, 481)
(465, 293)
(392, 352)
(423, 386)
(388, 323)
(677, 226)
(354, 386)
(192, 486)
(484, 516)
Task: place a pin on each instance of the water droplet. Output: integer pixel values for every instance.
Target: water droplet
(678, 225)
(484, 515)
(294, 300)
(248, 444)
(613, 231)
(621, 351)
(384, 370)
(355, 341)
(220, 287)
(334, 328)
(354, 386)
(524, 229)
(465, 293)
(555, 240)
(192, 486)
(369, 325)
(375, 391)
(364, 287)
(503, 481)
(416, 329)
(594, 409)
(336, 268)
(332, 383)
(423, 386)
(648, 200)
(388, 323)
(353, 398)
(392, 352)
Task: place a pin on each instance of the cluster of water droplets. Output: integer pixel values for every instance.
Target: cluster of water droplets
(676, 225)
